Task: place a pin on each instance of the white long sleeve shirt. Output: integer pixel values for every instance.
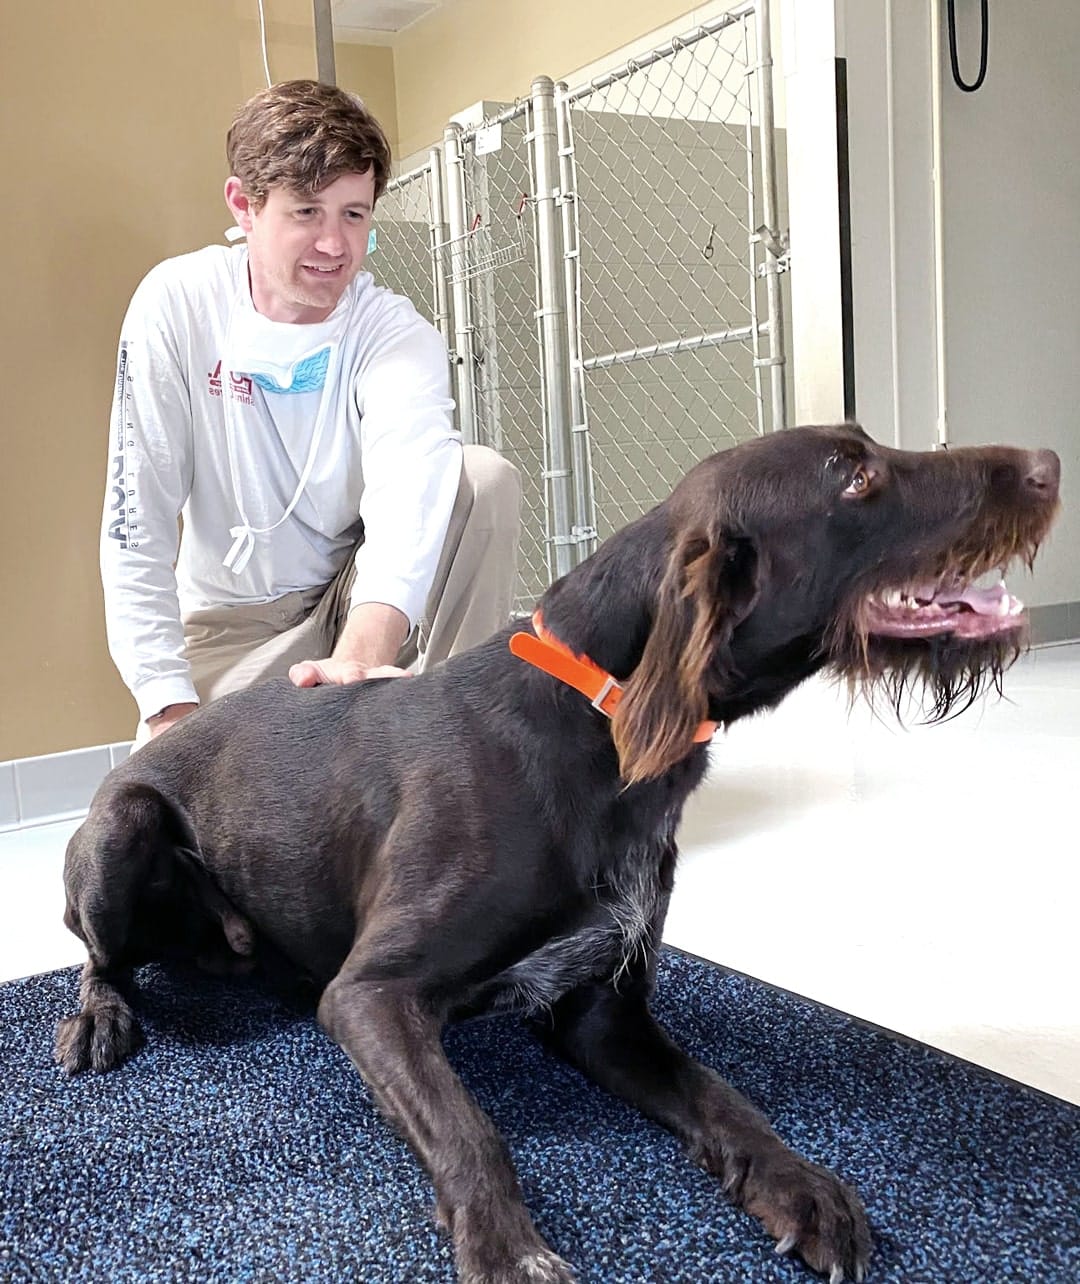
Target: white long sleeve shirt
(229, 418)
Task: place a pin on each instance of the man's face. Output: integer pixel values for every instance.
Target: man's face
(304, 250)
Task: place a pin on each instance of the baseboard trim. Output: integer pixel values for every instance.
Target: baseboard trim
(54, 786)
(1057, 623)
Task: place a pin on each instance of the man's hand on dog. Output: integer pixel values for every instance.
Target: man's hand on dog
(316, 673)
(373, 635)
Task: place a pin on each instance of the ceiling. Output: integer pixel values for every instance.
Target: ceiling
(352, 17)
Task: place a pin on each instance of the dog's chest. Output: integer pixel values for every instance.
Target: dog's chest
(627, 902)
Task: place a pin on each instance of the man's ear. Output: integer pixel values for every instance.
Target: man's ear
(710, 585)
(240, 204)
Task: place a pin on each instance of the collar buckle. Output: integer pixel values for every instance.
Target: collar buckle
(609, 686)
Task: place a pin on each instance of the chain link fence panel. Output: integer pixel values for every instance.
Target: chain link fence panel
(672, 296)
(402, 258)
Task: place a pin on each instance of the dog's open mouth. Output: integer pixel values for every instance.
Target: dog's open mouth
(964, 610)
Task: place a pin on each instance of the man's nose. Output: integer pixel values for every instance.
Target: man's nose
(330, 241)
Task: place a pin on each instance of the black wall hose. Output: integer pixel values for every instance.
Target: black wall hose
(960, 82)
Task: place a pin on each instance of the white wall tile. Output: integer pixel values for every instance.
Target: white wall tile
(9, 802)
(59, 784)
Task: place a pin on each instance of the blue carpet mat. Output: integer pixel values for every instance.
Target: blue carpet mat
(240, 1145)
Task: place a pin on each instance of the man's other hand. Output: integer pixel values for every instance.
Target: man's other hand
(164, 720)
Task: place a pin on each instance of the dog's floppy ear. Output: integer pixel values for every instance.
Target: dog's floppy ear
(708, 586)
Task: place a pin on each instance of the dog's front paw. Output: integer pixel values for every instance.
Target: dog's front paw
(97, 1040)
(516, 1256)
(808, 1210)
(543, 1267)
(497, 1243)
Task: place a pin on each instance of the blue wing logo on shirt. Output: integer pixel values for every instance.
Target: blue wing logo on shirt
(308, 375)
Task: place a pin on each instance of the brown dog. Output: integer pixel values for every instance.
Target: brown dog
(485, 837)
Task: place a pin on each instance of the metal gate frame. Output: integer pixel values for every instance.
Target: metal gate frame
(467, 245)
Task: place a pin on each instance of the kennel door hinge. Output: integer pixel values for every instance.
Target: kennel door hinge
(779, 250)
(780, 265)
(459, 358)
(579, 535)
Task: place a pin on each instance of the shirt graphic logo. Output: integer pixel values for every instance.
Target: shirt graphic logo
(240, 386)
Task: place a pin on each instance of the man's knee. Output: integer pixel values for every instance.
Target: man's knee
(495, 487)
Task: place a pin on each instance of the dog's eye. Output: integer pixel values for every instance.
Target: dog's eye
(860, 482)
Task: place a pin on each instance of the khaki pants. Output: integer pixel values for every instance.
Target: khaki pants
(230, 647)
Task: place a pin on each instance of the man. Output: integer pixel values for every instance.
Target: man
(299, 417)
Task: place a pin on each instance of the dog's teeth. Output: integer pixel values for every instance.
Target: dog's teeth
(786, 1244)
(891, 599)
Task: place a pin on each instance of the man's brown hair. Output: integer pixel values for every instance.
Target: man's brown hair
(303, 135)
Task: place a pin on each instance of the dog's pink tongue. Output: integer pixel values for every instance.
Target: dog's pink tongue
(995, 600)
(986, 601)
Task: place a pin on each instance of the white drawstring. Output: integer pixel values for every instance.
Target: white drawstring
(243, 536)
(243, 545)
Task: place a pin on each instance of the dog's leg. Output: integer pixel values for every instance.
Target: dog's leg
(393, 1040)
(613, 1038)
(110, 860)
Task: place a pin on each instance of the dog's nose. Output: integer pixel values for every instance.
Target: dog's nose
(1043, 473)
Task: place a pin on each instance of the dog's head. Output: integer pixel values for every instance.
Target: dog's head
(817, 547)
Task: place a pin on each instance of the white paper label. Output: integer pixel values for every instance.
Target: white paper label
(488, 139)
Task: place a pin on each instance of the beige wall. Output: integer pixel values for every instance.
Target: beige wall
(471, 50)
(112, 150)
(369, 72)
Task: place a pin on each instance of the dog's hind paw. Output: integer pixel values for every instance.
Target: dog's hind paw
(99, 1040)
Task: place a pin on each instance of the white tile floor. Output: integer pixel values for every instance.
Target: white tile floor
(926, 880)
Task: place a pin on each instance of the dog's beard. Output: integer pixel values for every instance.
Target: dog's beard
(933, 640)
(936, 678)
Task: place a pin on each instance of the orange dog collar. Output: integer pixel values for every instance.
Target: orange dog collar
(545, 651)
